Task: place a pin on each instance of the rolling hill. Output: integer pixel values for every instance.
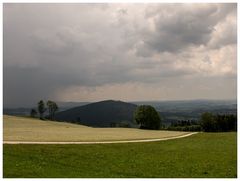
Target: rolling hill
(100, 114)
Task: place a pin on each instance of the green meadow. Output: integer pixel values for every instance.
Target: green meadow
(204, 155)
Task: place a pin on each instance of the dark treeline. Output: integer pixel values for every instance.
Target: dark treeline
(185, 125)
(209, 123)
(218, 123)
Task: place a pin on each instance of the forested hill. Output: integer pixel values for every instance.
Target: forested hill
(100, 114)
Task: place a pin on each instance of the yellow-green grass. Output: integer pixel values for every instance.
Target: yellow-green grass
(211, 155)
(29, 129)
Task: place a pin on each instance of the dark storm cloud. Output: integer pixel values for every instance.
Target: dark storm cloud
(29, 85)
(50, 48)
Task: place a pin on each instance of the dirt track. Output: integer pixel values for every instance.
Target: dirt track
(98, 142)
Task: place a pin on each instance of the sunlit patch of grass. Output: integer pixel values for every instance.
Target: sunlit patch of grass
(29, 129)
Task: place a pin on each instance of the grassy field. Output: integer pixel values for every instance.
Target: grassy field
(202, 155)
(29, 129)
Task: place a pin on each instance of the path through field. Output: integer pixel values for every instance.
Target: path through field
(24, 130)
(97, 142)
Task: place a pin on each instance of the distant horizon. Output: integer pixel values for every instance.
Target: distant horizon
(89, 102)
(203, 99)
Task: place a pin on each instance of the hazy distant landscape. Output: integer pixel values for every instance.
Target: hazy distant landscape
(170, 111)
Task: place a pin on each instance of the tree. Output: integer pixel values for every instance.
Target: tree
(41, 108)
(52, 108)
(33, 113)
(232, 122)
(50, 104)
(147, 117)
(208, 122)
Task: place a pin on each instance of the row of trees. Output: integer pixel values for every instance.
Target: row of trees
(209, 123)
(148, 118)
(185, 125)
(218, 123)
(185, 128)
(52, 108)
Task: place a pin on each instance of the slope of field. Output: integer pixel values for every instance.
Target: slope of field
(210, 155)
(28, 129)
(100, 114)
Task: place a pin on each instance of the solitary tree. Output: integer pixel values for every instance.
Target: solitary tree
(147, 117)
(52, 108)
(41, 108)
(33, 113)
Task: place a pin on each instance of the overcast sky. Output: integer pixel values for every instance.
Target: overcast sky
(129, 52)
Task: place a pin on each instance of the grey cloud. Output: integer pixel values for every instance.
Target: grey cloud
(54, 43)
(178, 27)
(49, 47)
(28, 85)
(207, 60)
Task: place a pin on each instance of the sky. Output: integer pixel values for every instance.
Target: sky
(129, 52)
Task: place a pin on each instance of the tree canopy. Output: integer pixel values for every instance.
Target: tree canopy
(147, 117)
(52, 108)
(218, 123)
(41, 109)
